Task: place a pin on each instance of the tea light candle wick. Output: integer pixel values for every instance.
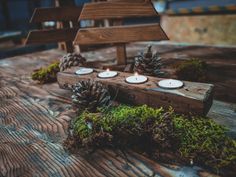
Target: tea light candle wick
(136, 79)
(107, 71)
(136, 74)
(107, 74)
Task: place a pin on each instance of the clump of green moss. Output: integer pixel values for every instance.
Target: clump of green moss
(192, 70)
(205, 142)
(46, 75)
(191, 138)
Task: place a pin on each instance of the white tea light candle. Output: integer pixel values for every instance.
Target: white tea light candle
(170, 84)
(84, 71)
(136, 79)
(107, 74)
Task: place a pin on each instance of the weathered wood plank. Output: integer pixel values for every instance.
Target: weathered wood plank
(193, 98)
(71, 13)
(51, 36)
(111, 10)
(120, 34)
(30, 139)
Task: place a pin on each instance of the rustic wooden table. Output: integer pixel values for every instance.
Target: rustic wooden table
(34, 120)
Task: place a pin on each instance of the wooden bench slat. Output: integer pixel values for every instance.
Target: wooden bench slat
(56, 14)
(51, 36)
(193, 97)
(108, 10)
(120, 34)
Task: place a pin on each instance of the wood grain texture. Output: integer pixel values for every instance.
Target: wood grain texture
(120, 48)
(111, 10)
(121, 54)
(120, 34)
(71, 13)
(195, 98)
(33, 124)
(51, 36)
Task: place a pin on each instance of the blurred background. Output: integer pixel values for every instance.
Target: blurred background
(198, 22)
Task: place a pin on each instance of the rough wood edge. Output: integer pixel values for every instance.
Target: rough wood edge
(51, 36)
(55, 14)
(87, 6)
(131, 28)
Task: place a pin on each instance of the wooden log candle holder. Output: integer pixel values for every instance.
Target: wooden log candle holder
(192, 98)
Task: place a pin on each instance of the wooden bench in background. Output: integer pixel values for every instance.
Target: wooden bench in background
(118, 34)
(67, 15)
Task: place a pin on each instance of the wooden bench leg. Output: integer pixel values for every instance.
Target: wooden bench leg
(63, 3)
(120, 49)
(121, 54)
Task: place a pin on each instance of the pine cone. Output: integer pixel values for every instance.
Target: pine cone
(148, 63)
(90, 95)
(71, 59)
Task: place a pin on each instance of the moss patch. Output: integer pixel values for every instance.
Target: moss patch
(192, 70)
(196, 139)
(46, 75)
(205, 142)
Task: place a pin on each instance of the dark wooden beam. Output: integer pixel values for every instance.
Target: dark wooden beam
(195, 98)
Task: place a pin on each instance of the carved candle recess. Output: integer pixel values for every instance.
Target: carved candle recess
(197, 99)
(170, 84)
(84, 71)
(107, 74)
(136, 79)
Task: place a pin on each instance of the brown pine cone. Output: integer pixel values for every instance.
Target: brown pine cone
(71, 59)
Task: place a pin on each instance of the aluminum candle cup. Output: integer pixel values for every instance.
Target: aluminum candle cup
(84, 71)
(107, 74)
(170, 84)
(136, 79)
